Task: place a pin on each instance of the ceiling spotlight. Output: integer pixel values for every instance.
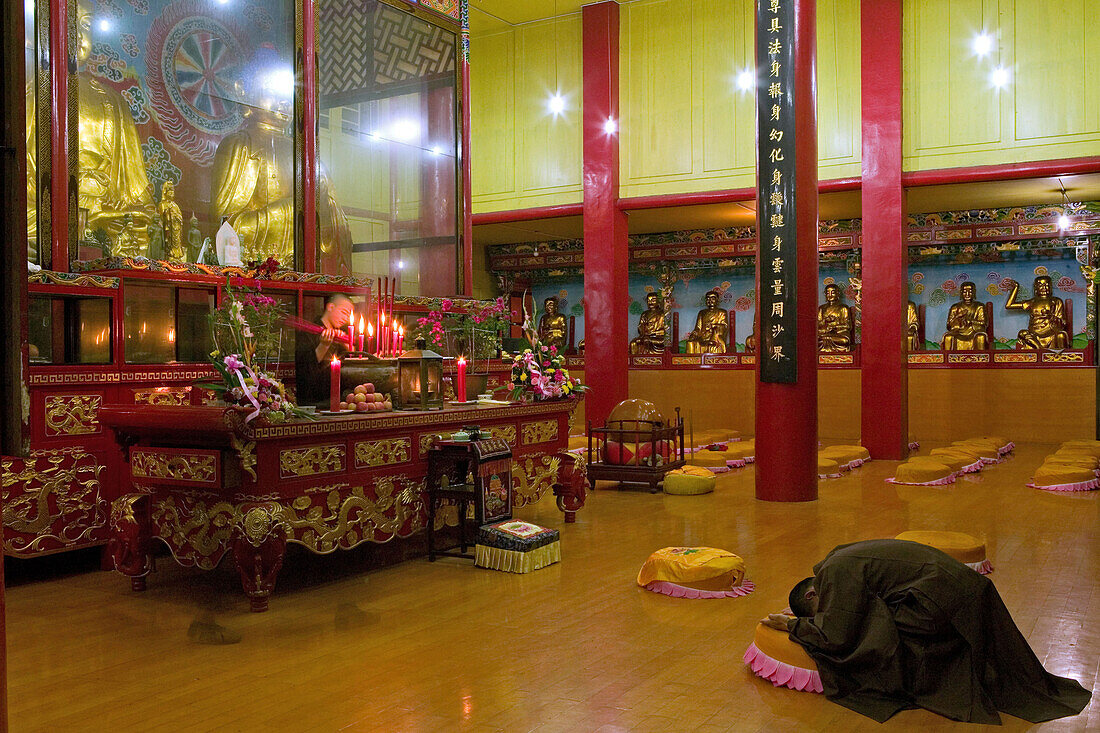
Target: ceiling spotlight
(405, 130)
(374, 135)
(556, 105)
(611, 126)
(746, 80)
(1063, 222)
(999, 77)
(983, 43)
(104, 25)
(436, 150)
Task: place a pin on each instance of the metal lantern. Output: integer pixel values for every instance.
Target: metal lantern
(420, 379)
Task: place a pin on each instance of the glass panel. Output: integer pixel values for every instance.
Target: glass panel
(289, 302)
(149, 324)
(30, 64)
(194, 341)
(387, 83)
(185, 118)
(69, 330)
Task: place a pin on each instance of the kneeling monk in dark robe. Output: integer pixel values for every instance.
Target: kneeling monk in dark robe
(894, 625)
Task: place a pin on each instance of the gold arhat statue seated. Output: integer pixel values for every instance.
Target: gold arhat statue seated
(711, 329)
(966, 323)
(834, 322)
(652, 330)
(552, 325)
(1046, 327)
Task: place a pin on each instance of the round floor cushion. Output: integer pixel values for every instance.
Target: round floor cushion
(695, 572)
(1092, 447)
(846, 455)
(827, 468)
(923, 473)
(1082, 460)
(955, 462)
(773, 656)
(1060, 477)
(739, 454)
(988, 451)
(965, 548)
(715, 460)
(971, 460)
(689, 481)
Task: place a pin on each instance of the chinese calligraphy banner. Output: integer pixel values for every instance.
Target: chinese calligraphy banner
(775, 173)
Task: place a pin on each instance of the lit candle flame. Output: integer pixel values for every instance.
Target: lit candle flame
(360, 324)
(394, 324)
(401, 332)
(370, 330)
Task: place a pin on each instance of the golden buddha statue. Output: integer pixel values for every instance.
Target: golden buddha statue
(966, 327)
(750, 342)
(111, 179)
(912, 327)
(711, 329)
(552, 325)
(1046, 327)
(834, 323)
(173, 223)
(651, 327)
(253, 185)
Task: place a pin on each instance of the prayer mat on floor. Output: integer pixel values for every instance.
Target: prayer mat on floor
(689, 481)
(1060, 477)
(695, 572)
(773, 656)
(516, 546)
(967, 549)
(923, 473)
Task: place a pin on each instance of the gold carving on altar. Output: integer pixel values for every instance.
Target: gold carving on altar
(311, 461)
(246, 451)
(197, 533)
(257, 524)
(925, 358)
(532, 478)
(508, 432)
(175, 396)
(542, 431)
(346, 516)
(1066, 357)
(968, 358)
(1038, 228)
(426, 440)
(645, 361)
(382, 452)
(1015, 358)
(48, 277)
(835, 359)
(53, 499)
(72, 414)
(194, 467)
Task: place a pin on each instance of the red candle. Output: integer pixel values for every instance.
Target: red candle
(334, 386)
(370, 337)
(460, 385)
(400, 339)
(393, 336)
(382, 333)
(362, 334)
(351, 334)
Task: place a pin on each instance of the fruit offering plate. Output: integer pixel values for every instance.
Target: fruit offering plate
(366, 400)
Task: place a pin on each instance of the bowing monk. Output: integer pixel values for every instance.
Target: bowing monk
(894, 625)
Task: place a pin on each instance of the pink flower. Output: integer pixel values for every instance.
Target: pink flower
(233, 363)
(447, 304)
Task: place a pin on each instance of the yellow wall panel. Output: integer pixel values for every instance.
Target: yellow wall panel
(522, 155)
(685, 124)
(954, 116)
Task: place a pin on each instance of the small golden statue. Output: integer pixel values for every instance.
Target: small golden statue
(834, 323)
(173, 222)
(651, 327)
(711, 329)
(912, 327)
(966, 327)
(552, 325)
(750, 342)
(1046, 327)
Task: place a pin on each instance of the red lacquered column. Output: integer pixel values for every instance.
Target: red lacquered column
(467, 190)
(786, 414)
(308, 121)
(885, 269)
(605, 233)
(59, 135)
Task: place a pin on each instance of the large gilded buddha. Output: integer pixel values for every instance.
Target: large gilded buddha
(253, 185)
(966, 325)
(651, 327)
(711, 329)
(1046, 327)
(834, 322)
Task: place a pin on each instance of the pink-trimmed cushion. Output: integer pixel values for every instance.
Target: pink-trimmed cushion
(773, 656)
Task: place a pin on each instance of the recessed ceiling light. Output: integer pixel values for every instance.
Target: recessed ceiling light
(983, 43)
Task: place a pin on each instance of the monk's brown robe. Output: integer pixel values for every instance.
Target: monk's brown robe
(901, 625)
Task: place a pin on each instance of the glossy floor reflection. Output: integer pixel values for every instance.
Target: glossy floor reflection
(574, 647)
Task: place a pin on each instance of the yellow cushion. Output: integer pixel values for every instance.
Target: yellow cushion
(714, 458)
(999, 440)
(1089, 446)
(688, 484)
(1074, 459)
(778, 645)
(845, 453)
(1076, 450)
(963, 547)
(985, 449)
(740, 451)
(1057, 474)
(955, 462)
(922, 472)
(702, 568)
(957, 451)
(579, 441)
(827, 467)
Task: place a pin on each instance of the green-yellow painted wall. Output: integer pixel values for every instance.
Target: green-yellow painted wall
(955, 117)
(686, 126)
(523, 156)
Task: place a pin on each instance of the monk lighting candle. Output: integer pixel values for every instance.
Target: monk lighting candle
(334, 385)
(460, 386)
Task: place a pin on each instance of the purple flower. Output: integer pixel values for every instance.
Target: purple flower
(233, 362)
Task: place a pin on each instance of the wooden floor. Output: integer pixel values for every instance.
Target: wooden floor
(574, 647)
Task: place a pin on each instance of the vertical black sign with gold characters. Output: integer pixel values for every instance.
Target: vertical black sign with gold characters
(776, 251)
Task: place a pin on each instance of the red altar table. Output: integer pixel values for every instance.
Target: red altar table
(206, 483)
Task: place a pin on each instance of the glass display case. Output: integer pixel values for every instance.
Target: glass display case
(165, 323)
(69, 329)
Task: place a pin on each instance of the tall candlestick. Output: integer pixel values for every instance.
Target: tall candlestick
(460, 385)
(362, 334)
(334, 385)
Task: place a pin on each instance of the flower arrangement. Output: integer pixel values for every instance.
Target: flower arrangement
(247, 330)
(540, 370)
(473, 332)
